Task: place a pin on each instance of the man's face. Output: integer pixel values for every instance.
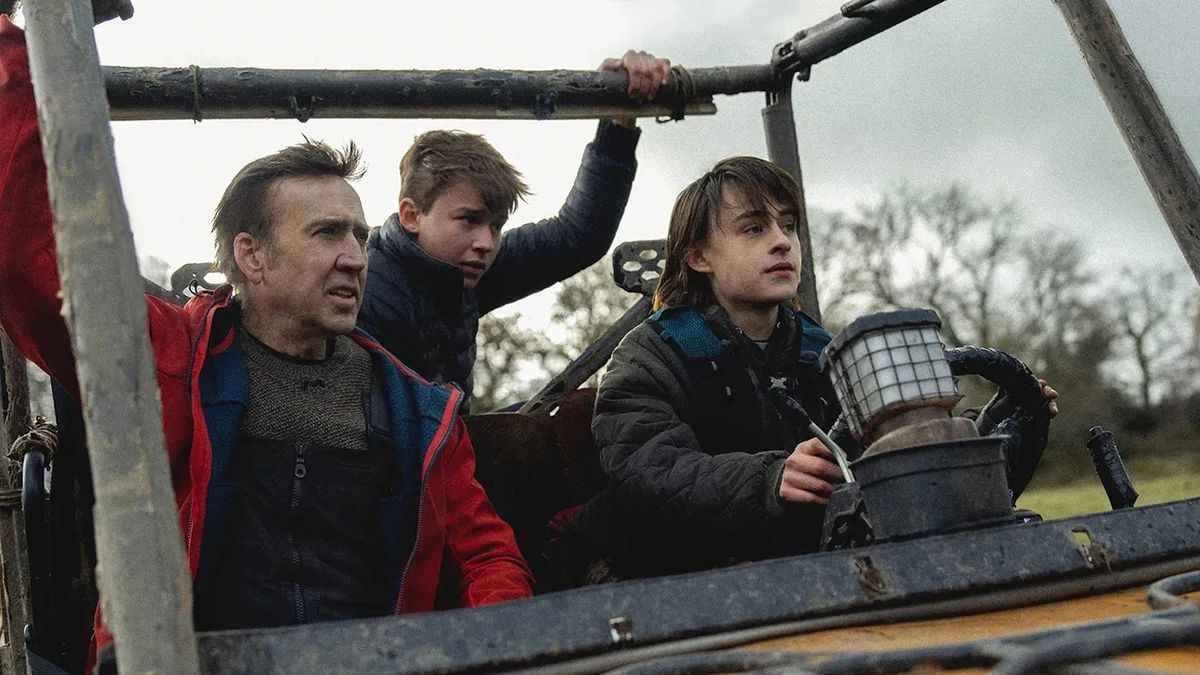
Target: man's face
(458, 229)
(752, 256)
(315, 267)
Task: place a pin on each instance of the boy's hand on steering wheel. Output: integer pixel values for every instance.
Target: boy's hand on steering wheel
(809, 474)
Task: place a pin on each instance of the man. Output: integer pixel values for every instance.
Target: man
(316, 478)
(439, 262)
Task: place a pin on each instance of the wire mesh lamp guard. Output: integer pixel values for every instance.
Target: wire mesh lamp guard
(889, 363)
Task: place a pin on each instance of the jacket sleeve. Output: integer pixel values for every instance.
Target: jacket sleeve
(660, 476)
(490, 568)
(30, 309)
(537, 255)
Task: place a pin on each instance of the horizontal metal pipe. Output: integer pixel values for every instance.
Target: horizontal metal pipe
(225, 93)
(857, 22)
(216, 93)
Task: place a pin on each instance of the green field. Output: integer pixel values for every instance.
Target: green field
(1071, 500)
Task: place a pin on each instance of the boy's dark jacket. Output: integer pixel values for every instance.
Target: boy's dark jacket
(201, 381)
(416, 305)
(694, 447)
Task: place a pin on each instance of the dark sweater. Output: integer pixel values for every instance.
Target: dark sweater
(416, 305)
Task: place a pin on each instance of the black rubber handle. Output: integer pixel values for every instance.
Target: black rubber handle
(1113, 476)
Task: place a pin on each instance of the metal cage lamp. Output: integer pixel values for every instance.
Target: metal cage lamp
(886, 365)
(922, 470)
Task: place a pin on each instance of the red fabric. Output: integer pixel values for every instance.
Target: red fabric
(457, 525)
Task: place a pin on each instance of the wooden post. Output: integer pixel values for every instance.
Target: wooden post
(779, 124)
(1141, 118)
(143, 573)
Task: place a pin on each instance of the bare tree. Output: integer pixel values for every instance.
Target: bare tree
(508, 364)
(840, 273)
(586, 305)
(1151, 320)
(942, 249)
(1051, 298)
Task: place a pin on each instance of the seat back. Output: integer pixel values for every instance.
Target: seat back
(534, 466)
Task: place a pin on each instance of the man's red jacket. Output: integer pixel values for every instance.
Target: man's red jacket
(457, 532)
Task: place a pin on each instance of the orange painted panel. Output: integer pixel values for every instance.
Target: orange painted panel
(911, 634)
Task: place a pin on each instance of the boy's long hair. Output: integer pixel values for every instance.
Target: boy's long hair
(757, 181)
(437, 159)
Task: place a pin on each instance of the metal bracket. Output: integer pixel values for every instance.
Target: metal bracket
(103, 10)
(785, 62)
(638, 265)
(191, 276)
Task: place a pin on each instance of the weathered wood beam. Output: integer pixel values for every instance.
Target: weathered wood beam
(1141, 118)
(144, 579)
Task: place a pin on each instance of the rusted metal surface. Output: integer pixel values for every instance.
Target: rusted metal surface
(228, 93)
(1101, 632)
(929, 632)
(144, 577)
(945, 575)
(1141, 118)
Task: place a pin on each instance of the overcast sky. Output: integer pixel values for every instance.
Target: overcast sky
(990, 93)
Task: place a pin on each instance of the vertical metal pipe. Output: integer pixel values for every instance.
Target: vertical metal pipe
(1140, 116)
(143, 573)
(779, 123)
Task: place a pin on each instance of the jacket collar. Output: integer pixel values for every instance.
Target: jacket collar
(399, 243)
(779, 345)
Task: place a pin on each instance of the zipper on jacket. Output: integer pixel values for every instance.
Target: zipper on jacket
(299, 471)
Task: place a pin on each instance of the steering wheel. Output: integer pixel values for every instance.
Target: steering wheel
(1019, 410)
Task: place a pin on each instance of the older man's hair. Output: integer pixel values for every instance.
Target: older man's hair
(438, 159)
(247, 207)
